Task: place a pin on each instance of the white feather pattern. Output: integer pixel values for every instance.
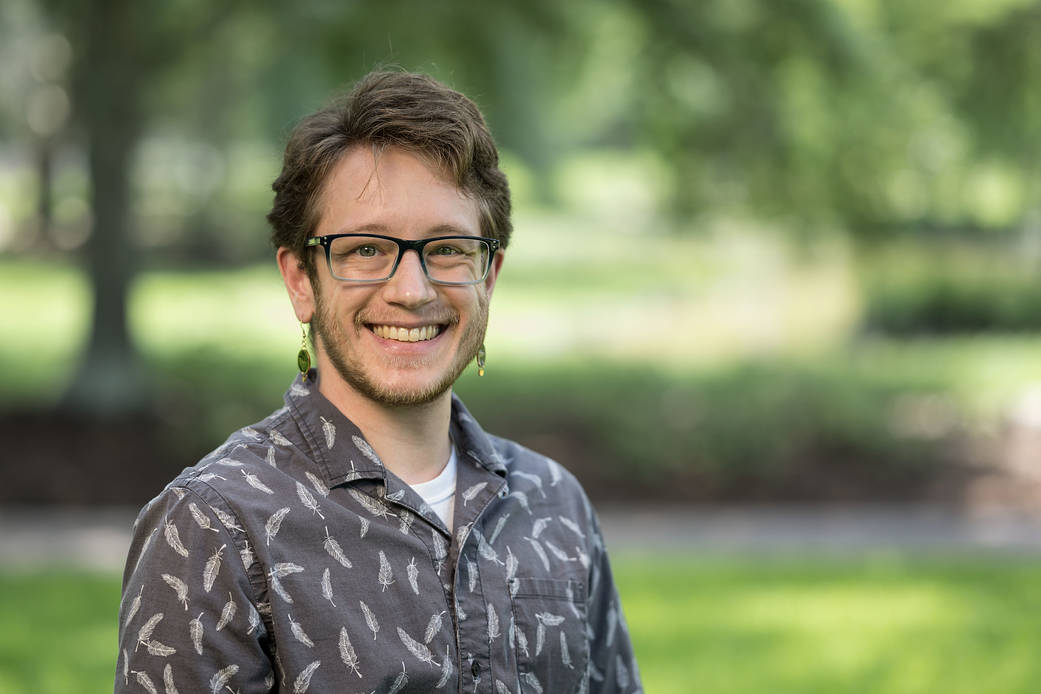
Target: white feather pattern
(227, 613)
(135, 605)
(406, 518)
(433, 626)
(366, 450)
(303, 680)
(413, 577)
(195, 631)
(522, 641)
(386, 574)
(539, 551)
(540, 638)
(159, 649)
(400, 681)
(511, 569)
(246, 554)
(539, 525)
(274, 523)
(471, 493)
(446, 669)
(494, 631)
(253, 617)
(499, 525)
(364, 527)
(486, 550)
(335, 550)
(565, 654)
(254, 481)
(222, 677)
(329, 431)
(227, 520)
(168, 683)
(557, 551)
(533, 682)
(471, 573)
(327, 587)
(534, 479)
(549, 619)
(371, 505)
(173, 538)
(554, 471)
(179, 586)
(572, 526)
(621, 672)
(278, 438)
(347, 652)
(201, 518)
(417, 649)
(145, 681)
(370, 619)
(307, 498)
(501, 688)
(521, 498)
(209, 574)
(319, 485)
(299, 634)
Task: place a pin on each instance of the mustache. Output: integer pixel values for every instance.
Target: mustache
(367, 318)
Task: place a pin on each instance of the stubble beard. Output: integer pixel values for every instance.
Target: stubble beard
(330, 333)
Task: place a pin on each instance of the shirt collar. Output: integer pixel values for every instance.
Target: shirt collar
(343, 455)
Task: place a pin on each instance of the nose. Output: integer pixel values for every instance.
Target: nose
(409, 287)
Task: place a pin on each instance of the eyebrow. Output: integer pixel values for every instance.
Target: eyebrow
(376, 228)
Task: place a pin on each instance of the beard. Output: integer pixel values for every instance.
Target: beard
(330, 333)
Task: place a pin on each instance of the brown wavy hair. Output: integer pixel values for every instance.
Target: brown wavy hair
(400, 109)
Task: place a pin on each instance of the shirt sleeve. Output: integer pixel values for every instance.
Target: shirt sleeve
(188, 621)
(612, 664)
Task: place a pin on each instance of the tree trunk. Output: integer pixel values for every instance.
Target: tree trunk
(110, 381)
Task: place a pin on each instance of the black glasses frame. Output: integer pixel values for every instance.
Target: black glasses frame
(326, 242)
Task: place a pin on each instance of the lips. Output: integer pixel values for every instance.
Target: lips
(401, 334)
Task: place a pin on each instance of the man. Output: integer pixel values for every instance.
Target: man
(369, 536)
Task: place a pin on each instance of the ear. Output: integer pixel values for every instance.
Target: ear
(493, 272)
(298, 284)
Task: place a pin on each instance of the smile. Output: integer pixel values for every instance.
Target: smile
(392, 332)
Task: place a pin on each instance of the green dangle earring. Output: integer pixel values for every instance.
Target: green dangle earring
(481, 354)
(303, 357)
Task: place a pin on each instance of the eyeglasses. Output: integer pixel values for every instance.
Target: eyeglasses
(374, 258)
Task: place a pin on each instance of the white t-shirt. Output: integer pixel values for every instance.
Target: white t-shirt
(439, 493)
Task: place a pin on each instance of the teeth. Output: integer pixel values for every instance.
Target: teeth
(391, 332)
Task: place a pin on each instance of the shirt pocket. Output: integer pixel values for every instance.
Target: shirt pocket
(548, 634)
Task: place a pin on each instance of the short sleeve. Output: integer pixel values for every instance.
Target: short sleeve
(188, 620)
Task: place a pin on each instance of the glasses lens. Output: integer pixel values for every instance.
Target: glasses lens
(457, 260)
(362, 257)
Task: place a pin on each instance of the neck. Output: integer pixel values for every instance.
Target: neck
(412, 441)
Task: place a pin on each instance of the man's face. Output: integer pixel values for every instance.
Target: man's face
(359, 327)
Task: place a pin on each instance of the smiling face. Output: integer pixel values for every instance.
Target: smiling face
(403, 341)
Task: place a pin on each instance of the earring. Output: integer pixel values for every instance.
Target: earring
(303, 357)
(481, 354)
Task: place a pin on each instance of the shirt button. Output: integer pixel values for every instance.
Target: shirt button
(475, 670)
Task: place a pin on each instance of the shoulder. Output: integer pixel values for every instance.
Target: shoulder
(540, 477)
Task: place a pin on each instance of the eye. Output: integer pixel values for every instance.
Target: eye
(447, 250)
(367, 251)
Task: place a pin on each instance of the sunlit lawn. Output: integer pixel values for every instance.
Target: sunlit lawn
(723, 626)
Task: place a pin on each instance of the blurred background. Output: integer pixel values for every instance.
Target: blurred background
(774, 262)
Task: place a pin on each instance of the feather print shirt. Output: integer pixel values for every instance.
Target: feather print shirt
(291, 560)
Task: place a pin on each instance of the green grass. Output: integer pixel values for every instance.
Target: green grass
(883, 625)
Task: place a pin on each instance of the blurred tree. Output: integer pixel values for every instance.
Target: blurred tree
(122, 46)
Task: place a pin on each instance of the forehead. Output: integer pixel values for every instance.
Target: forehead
(395, 192)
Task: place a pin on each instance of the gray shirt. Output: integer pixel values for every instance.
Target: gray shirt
(291, 560)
